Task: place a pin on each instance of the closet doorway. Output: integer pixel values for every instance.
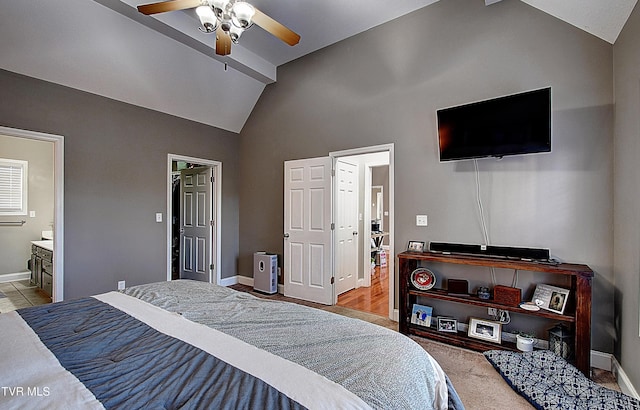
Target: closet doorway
(193, 222)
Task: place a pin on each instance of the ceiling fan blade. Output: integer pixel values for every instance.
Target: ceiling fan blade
(223, 42)
(170, 5)
(275, 28)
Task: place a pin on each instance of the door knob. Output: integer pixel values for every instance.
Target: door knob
(286, 235)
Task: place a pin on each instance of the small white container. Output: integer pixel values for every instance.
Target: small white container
(525, 344)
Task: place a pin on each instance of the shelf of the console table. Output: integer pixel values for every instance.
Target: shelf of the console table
(460, 339)
(474, 300)
(506, 263)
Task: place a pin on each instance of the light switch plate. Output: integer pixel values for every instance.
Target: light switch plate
(421, 220)
(158, 216)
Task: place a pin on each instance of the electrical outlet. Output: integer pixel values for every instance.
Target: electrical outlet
(504, 316)
(121, 285)
(492, 312)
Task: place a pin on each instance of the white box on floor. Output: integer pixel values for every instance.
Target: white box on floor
(265, 272)
(382, 258)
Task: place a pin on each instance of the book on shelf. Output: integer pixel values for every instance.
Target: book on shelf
(421, 315)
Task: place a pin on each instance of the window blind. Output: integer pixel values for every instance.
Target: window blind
(13, 187)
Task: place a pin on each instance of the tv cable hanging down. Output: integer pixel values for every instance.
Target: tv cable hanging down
(485, 231)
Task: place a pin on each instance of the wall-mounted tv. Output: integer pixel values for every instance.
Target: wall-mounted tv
(511, 125)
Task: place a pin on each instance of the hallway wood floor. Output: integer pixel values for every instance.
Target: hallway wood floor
(374, 299)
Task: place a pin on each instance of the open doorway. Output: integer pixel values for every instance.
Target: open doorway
(56, 223)
(311, 219)
(193, 221)
(374, 290)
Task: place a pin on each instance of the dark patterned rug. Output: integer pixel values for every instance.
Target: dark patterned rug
(549, 382)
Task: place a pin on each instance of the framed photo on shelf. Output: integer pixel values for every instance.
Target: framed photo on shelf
(415, 246)
(447, 324)
(421, 315)
(485, 330)
(550, 298)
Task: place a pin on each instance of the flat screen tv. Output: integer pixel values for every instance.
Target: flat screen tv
(511, 125)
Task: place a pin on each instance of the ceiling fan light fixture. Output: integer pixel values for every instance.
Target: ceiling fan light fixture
(227, 18)
(207, 19)
(241, 14)
(219, 7)
(235, 33)
(226, 25)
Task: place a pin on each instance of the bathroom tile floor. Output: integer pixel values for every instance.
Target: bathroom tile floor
(21, 294)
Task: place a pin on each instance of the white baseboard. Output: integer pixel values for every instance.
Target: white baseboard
(238, 279)
(623, 380)
(244, 280)
(601, 360)
(234, 280)
(12, 277)
(607, 361)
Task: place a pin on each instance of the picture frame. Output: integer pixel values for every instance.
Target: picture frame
(421, 315)
(551, 298)
(485, 330)
(415, 246)
(447, 324)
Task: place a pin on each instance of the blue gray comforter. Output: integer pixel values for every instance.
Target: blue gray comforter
(127, 364)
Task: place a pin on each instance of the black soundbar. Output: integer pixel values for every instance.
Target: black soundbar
(535, 254)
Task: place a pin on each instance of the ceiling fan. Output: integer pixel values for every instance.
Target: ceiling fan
(227, 18)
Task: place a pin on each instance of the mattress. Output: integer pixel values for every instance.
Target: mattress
(186, 344)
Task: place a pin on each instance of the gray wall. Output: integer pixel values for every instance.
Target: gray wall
(115, 179)
(15, 245)
(627, 196)
(385, 85)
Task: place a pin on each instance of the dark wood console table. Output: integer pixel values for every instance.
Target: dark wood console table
(578, 318)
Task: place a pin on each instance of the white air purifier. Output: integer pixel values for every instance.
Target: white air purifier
(265, 272)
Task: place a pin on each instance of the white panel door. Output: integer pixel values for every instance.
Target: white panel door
(195, 222)
(308, 270)
(346, 229)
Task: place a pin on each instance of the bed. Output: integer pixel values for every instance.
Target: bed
(186, 344)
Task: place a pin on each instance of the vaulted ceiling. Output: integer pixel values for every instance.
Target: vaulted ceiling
(165, 63)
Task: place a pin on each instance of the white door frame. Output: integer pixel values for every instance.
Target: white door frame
(393, 313)
(58, 202)
(216, 167)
